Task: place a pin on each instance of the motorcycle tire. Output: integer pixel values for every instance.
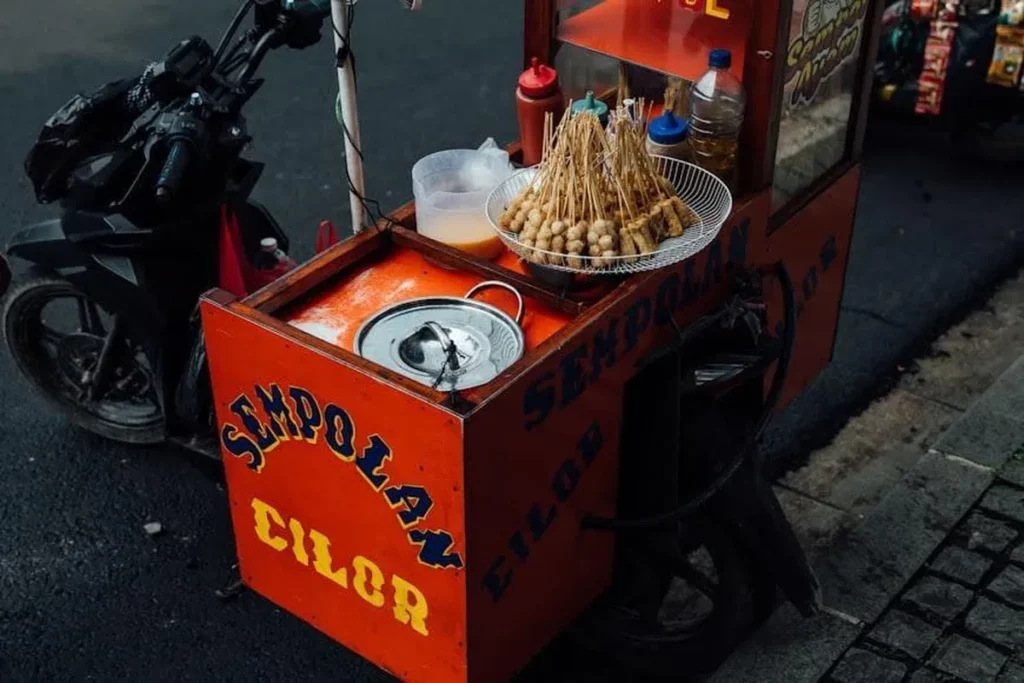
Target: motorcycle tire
(745, 597)
(24, 335)
(5, 275)
(194, 397)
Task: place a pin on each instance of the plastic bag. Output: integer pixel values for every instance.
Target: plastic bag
(79, 129)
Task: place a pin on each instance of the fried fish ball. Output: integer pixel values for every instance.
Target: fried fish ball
(526, 242)
(535, 216)
(574, 233)
(595, 256)
(557, 228)
(528, 206)
(530, 232)
(583, 226)
(558, 244)
(606, 242)
(513, 207)
(544, 233)
(574, 261)
(592, 237)
(609, 253)
(521, 216)
(547, 207)
(543, 244)
(575, 246)
(516, 225)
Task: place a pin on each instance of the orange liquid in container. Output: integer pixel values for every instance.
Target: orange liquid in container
(470, 233)
(488, 249)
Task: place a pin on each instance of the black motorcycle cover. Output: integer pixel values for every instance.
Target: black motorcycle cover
(82, 127)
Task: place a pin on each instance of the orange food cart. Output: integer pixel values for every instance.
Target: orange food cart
(441, 534)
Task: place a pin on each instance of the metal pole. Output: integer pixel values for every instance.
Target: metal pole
(349, 114)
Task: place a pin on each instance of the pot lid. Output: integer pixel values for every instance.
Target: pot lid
(446, 343)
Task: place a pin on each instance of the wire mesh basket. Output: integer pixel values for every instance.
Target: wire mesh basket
(702, 191)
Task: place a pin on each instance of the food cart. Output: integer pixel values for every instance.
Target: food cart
(440, 533)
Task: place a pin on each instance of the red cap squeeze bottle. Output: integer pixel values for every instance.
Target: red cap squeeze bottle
(537, 95)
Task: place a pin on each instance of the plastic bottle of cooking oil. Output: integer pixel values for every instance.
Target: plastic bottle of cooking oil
(717, 102)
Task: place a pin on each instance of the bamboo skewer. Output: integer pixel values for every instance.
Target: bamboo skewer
(598, 195)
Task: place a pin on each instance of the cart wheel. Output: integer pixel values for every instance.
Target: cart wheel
(678, 612)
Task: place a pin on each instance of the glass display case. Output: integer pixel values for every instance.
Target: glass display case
(803, 64)
(819, 84)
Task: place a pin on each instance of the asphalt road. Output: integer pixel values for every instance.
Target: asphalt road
(84, 593)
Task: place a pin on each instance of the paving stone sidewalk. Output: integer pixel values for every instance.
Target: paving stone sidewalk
(913, 519)
(961, 618)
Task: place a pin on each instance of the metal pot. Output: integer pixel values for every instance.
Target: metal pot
(447, 343)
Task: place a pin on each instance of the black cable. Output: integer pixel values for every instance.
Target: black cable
(234, 53)
(788, 342)
(375, 215)
(671, 517)
(232, 62)
(230, 32)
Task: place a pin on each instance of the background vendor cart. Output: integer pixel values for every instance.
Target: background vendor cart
(440, 535)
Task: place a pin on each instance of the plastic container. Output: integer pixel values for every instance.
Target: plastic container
(592, 105)
(451, 190)
(669, 136)
(271, 263)
(538, 94)
(717, 104)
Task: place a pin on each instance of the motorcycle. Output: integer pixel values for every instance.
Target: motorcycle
(155, 210)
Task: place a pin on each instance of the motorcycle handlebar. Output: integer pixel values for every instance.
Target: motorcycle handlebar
(173, 172)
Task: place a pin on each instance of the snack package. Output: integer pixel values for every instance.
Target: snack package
(1007, 57)
(1012, 13)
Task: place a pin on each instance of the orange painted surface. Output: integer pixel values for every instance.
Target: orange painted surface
(324, 511)
(532, 569)
(815, 245)
(509, 483)
(336, 315)
(662, 35)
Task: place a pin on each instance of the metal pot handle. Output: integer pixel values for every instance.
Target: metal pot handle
(446, 342)
(497, 283)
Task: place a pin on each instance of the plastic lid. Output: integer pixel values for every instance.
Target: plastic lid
(668, 129)
(268, 244)
(539, 80)
(720, 58)
(591, 105)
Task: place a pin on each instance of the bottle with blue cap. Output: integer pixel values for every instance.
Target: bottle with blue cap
(717, 104)
(668, 135)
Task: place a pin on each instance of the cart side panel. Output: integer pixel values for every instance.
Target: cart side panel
(815, 246)
(346, 497)
(544, 453)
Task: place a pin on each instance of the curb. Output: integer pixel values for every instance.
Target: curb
(866, 568)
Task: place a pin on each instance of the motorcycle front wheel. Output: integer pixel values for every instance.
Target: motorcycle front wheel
(57, 337)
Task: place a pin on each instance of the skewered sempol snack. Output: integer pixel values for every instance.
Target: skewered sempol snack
(598, 196)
